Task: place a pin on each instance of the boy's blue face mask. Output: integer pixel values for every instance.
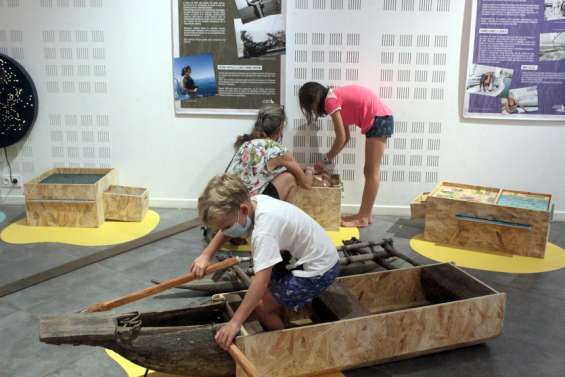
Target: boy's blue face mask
(237, 230)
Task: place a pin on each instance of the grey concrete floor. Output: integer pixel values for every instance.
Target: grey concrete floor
(533, 342)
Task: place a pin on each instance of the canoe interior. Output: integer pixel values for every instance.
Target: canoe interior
(389, 291)
(413, 287)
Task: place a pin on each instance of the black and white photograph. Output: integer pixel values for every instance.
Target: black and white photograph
(251, 10)
(554, 10)
(260, 38)
(551, 46)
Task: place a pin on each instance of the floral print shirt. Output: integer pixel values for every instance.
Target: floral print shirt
(250, 163)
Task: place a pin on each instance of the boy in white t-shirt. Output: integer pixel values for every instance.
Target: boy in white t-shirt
(273, 225)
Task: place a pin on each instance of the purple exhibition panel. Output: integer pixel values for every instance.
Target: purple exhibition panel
(516, 65)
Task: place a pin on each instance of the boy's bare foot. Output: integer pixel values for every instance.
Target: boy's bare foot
(356, 222)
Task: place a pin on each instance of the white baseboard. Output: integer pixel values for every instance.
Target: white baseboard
(12, 199)
(173, 203)
(384, 210)
(153, 202)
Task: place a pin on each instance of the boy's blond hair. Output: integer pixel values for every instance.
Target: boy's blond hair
(222, 197)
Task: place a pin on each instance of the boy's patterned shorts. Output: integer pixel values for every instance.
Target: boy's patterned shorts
(294, 292)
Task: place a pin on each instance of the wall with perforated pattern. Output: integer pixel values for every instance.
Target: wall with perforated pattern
(103, 72)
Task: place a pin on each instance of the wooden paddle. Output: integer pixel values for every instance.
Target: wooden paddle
(138, 295)
(240, 358)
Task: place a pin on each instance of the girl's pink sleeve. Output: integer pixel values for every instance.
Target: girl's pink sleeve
(332, 105)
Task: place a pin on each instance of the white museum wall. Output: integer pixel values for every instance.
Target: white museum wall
(103, 73)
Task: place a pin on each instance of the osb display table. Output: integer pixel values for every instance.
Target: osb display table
(82, 197)
(487, 218)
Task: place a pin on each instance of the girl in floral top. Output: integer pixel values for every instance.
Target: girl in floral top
(263, 163)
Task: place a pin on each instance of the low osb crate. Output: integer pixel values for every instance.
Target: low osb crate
(323, 201)
(487, 218)
(418, 206)
(126, 203)
(70, 197)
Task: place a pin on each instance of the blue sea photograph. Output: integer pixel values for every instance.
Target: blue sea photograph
(194, 77)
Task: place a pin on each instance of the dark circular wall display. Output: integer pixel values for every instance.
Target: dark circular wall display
(18, 101)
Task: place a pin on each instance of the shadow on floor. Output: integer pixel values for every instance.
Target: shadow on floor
(406, 228)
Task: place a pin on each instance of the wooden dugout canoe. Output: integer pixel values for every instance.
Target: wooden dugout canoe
(361, 320)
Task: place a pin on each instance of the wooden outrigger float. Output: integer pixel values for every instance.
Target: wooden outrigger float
(356, 257)
(361, 320)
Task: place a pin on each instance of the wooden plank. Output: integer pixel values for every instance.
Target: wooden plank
(374, 339)
(381, 291)
(242, 276)
(337, 303)
(64, 213)
(83, 328)
(465, 192)
(154, 289)
(418, 206)
(97, 257)
(35, 190)
(42, 191)
(444, 282)
(98, 327)
(111, 178)
(210, 286)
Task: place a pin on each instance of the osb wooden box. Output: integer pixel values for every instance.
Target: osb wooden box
(125, 203)
(69, 197)
(487, 218)
(323, 201)
(410, 312)
(418, 206)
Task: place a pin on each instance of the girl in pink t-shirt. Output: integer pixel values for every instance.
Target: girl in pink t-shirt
(352, 105)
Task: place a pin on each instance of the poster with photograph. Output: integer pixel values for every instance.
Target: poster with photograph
(227, 55)
(516, 66)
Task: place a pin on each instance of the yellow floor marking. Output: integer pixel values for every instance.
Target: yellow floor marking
(134, 370)
(109, 233)
(498, 262)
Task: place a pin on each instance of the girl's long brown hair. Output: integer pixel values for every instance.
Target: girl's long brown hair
(312, 96)
(269, 120)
